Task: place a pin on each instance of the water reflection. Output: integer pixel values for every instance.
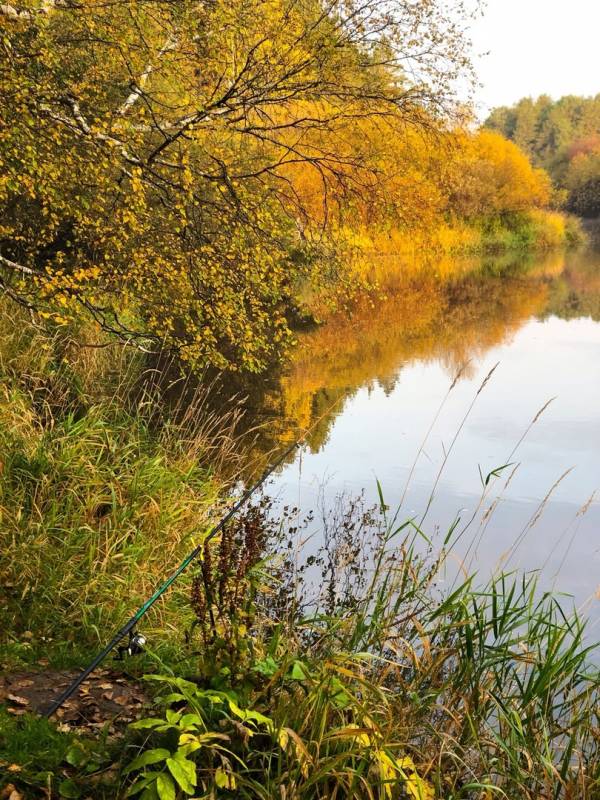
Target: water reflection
(375, 383)
(452, 324)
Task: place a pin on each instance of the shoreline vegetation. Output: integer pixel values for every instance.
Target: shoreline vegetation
(351, 672)
(182, 187)
(445, 251)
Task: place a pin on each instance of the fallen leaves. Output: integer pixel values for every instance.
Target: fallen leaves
(20, 701)
(106, 699)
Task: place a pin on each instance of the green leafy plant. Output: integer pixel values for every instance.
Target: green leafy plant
(200, 739)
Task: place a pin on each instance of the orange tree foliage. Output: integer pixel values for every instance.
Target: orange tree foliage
(150, 151)
(402, 186)
(423, 176)
(490, 176)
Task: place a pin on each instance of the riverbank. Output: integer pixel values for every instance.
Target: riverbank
(100, 492)
(346, 671)
(513, 235)
(532, 231)
(375, 262)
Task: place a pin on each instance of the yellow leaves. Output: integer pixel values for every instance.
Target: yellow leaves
(290, 741)
(136, 182)
(187, 177)
(129, 217)
(416, 786)
(490, 175)
(283, 738)
(225, 779)
(55, 317)
(390, 768)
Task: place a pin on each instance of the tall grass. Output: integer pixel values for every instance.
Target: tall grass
(100, 495)
(380, 684)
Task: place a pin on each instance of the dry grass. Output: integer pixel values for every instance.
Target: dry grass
(102, 487)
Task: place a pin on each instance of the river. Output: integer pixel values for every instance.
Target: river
(395, 395)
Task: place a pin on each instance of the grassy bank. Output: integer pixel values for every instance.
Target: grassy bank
(99, 494)
(360, 670)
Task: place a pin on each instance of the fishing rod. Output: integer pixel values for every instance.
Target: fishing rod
(136, 640)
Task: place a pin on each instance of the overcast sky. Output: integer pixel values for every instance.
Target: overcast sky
(536, 47)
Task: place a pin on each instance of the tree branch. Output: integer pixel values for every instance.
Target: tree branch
(6, 262)
(138, 88)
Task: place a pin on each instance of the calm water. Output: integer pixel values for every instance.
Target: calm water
(378, 383)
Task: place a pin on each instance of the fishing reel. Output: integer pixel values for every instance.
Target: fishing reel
(134, 646)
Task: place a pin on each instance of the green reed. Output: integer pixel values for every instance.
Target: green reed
(359, 671)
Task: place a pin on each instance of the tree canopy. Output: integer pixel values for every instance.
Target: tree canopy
(146, 151)
(562, 136)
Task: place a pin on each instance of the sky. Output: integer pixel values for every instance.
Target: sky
(536, 47)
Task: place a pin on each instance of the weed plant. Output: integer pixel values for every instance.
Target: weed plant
(356, 675)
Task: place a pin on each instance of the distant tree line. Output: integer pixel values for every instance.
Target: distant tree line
(563, 137)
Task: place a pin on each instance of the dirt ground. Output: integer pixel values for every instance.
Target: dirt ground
(106, 698)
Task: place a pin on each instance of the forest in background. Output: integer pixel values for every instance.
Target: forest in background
(563, 137)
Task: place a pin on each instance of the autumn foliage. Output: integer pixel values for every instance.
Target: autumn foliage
(179, 171)
(563, 136)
